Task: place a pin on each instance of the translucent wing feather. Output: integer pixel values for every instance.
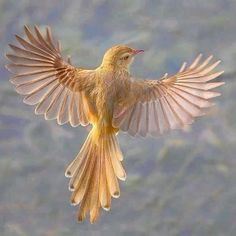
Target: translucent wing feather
(156, 106)
(59, 90)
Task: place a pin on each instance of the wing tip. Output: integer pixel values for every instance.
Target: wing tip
(7, 66)
(217, 94)
(19, 39)
(36, 28)
(210, 57)
(11, 46)
(17, 36)
(217, 62)
(221, 83)
(6, 55)
(199, 56)
(26, 28)
(221, 72)
(12, 80)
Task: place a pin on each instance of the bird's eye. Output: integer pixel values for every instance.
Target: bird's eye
(126, 57)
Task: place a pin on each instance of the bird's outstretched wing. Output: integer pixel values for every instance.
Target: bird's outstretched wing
(41, 74)
(155, 106)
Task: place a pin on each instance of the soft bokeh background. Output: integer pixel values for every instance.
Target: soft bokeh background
(180, 184)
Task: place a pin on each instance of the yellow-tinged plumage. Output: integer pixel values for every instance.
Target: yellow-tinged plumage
(109, 99)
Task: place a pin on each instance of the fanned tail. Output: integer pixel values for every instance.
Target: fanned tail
(93, 174)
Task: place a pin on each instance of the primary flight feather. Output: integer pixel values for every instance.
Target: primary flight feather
(109, 99)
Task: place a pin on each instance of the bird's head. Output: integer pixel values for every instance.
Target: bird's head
(120, 56)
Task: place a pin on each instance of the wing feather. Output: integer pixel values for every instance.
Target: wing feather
(172, 102)
(48, 81)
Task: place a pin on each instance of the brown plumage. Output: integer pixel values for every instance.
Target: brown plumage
(110, 100)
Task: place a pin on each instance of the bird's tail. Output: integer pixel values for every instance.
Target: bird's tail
(93, 173)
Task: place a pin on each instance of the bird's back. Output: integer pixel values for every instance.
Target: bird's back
(111, 87)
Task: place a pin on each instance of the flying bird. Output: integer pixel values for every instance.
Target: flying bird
(111, 100)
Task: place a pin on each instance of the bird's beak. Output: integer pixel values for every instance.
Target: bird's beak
(137, 51)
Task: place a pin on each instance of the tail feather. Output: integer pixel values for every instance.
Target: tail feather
(83, 178)
(94, 174)
(71, 169)
(94, 201)
(79, 174)
(104, 194)
(113, 184)
(85, 194)
(117, 148)
(115, 158)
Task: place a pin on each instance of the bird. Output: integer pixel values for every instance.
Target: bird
(109, 99)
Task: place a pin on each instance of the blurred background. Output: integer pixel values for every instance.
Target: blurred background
(183, 183)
